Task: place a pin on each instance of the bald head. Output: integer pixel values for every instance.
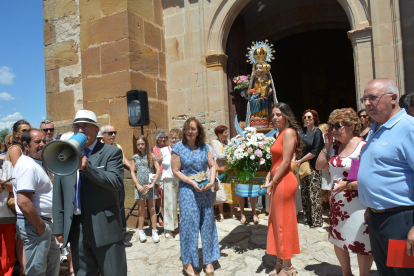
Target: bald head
(386, 85)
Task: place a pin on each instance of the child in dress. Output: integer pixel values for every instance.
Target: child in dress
(145, 163)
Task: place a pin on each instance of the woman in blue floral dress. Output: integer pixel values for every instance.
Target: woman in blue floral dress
(190, 160)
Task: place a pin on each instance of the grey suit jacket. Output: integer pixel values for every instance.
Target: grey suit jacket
(99, 198)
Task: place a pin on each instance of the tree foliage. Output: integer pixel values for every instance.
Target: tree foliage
(3, 134)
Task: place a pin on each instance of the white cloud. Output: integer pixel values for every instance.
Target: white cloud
(6, 97)
(6, 76)
(13, 117)
(43, 118)
(8, 125)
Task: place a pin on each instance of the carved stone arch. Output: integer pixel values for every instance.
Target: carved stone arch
(357, 12)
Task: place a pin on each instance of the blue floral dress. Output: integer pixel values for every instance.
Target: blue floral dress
(196, 209)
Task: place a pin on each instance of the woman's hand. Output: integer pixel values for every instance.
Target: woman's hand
(140, 189)
(340, 185)
(328, 139)
(208, 186)
(147, 187)
(268, 185)
(195, 185)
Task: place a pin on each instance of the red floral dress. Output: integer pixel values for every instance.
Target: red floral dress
(346, 217)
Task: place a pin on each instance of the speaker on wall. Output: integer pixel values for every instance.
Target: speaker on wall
(138, 109)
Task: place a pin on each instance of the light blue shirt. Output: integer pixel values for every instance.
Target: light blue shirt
(386, 171)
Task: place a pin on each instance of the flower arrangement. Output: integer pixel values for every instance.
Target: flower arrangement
(242, 84)
(246, 155)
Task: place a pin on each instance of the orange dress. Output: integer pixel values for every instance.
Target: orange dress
(282, 235)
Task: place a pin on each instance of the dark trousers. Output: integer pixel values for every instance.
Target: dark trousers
(382, 228)
(121, 194)
(89, 260)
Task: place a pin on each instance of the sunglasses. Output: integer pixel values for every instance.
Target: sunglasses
(363, 116)
(48, 129)
(24, 130)
(307, 117)
(110, 133)
(336, 126)
(163, 138)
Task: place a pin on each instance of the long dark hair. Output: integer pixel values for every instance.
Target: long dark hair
(290, 118)
(201, 136)
(147, 150)
(15, 128)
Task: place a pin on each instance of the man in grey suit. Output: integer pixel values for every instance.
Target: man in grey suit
(86, 207)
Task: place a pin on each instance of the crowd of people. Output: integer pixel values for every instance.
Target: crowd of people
(363, 159)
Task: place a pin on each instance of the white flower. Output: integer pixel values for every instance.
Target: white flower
(262, 161)
(252, 156)
(268, 156)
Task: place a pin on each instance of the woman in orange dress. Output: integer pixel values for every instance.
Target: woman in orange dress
(282, 236)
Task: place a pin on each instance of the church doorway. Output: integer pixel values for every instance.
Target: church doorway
(313, 66)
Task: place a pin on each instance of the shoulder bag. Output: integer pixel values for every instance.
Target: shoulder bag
(219, 196)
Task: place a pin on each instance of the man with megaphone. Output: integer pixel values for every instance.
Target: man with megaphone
(85, 203)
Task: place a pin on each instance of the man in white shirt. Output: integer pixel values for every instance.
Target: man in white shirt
(33, 190)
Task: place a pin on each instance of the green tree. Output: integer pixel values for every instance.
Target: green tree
(3, 134)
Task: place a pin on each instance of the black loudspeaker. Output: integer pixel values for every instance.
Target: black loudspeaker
(138, 109)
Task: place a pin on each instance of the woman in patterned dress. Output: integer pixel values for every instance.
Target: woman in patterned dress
(218, 146)
(190, 160)
(145, 162)
(170, 185)
(347, 230)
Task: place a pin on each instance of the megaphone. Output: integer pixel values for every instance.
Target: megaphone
(64, 157)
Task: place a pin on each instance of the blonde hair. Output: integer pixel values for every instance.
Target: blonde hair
(346, 116)
(177, 132)
(323, 127)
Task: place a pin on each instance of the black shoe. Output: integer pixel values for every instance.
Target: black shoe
(316, 226)
(127, 244)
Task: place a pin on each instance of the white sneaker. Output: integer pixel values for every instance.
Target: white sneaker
(155, 236)
(142, 236)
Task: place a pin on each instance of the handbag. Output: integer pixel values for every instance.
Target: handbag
(220, 195)
(353, 171)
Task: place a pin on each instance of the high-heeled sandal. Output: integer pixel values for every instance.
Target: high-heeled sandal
(209, 274)
(256, 219)
(188, 274)
(243, 219)
(276, 271)
(221, 218)
(285, 269)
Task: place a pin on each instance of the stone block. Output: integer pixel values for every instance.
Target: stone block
(56, 9)
(72, 80)
(49, 33)
(174, 48)
(124, 137)
(162, 90)
(175, 25)
(103, 120)
(152, 35)
(91, 61)
(52, 81)
(158, 113)
(60, 106)
(61, 54)
(144, 82)
(113, 6)
(136, 27)
(100, 107)
(119, 113)
(115, 56)
(89, 10)
(142, 8)
(158, 13)
(178, 102)
(106, 86)
(143, 58)
(129, 187)
(162, 66)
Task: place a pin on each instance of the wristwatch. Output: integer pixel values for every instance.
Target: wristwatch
(349, 185)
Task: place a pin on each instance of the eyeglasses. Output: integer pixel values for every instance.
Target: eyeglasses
(363, 116)
(24, 130)
(373, 98)
(48, 129)
(110, 133)
(163, 138)
(307, 117)
(336, 126)
(78, 126)
(174, 138)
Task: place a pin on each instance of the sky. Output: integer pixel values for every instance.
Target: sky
(22, 70)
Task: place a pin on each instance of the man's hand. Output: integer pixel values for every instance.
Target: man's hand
(84, 163)
(366, 216)
(410, 242)
(59, 238)
(41, 229)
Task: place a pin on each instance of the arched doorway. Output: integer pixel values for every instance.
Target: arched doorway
(313, 66)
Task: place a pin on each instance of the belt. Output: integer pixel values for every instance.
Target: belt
(199, 176)
(394, 209)
(44, 218)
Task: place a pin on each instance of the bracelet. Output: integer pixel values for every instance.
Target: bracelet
(349, 185)
(324, 152)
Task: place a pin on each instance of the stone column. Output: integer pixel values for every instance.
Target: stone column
(363, 60)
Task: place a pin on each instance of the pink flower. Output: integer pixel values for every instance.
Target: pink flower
(258, 153)
(242, 146)
(249, 150)
(238, 82)
(266, 140)
(228, 156)
(262, 161)
(260, 145)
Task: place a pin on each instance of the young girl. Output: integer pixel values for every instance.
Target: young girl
(145, 163)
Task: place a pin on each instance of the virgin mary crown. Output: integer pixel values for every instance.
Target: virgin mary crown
(260, 51)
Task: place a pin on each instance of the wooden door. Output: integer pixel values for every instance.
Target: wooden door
(236, 50)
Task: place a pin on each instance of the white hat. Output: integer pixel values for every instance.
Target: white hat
(85, 116)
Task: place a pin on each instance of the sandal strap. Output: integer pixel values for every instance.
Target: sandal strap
(287, 268)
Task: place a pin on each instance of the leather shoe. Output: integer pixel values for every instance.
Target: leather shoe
(127, 244)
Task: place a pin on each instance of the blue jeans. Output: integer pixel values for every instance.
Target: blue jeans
(42, 252)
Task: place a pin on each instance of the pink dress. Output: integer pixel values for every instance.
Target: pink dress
(346, 217)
